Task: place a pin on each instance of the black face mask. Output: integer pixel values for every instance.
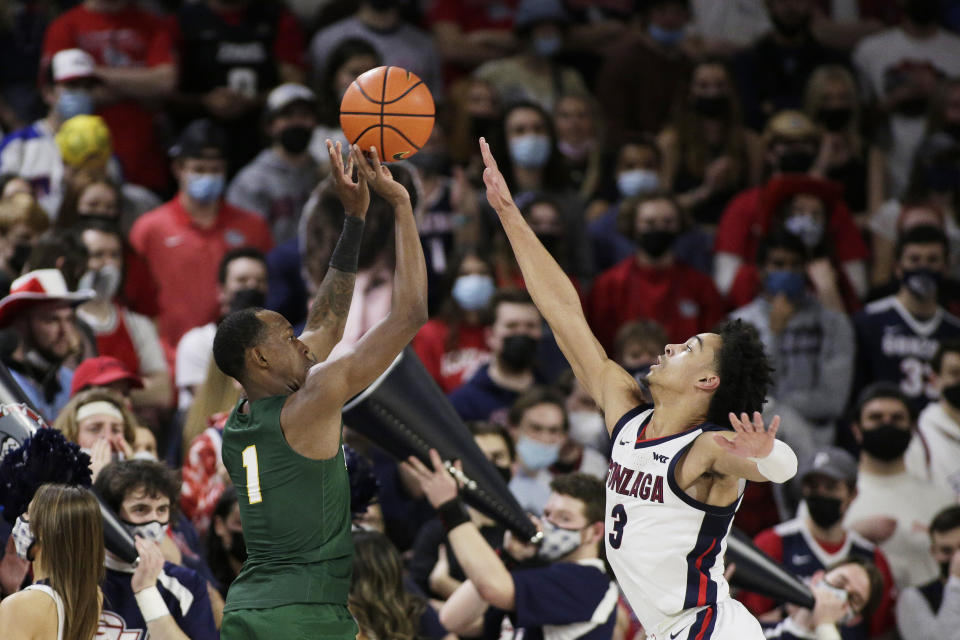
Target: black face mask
(21, 253)
(923, 12)
(656, 243)
(505, 473)
(835, 119)
(712, 106)
(519, 352)
(824, 510)
(952, 395)
(796, 162)
(790, 29)
(295, 139)
(913, 107)
(247, 299)
(944, 570)
(952, 129)
(886, 442)
(238, 547)
(551, 242)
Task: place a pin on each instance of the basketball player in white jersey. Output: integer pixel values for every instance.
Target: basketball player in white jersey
(679, 465)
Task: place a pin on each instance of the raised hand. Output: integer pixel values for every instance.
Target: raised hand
(150, 566)
(752, 439)
(354, 195)
(437, 483)
(379, 178)
(498, 195)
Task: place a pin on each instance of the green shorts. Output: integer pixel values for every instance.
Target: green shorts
(294, 621)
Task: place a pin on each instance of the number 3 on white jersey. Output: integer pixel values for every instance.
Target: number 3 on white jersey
(253, 474)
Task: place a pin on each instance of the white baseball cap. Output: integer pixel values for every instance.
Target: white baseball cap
(286, 94)
(71, 64)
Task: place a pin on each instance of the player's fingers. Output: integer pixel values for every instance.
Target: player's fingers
(774, 425)
(488, 159)
(758, 421)
(418, 467)
(745, 420)
(735, 422)
(375, 160)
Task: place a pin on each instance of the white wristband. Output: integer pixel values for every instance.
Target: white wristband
(151, 604)
(826, 631)
(779, 465)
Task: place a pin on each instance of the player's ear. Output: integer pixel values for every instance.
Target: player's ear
(258, 358)
(708, 382)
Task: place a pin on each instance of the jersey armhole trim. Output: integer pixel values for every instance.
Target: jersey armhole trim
(715, 510)
(627, 417)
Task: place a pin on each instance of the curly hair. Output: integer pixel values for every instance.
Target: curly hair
(745, 374)
(378, 600)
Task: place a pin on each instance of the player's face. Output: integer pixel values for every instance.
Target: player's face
(853, 579)
(544, 423)
(138, 507)
(682, 365)
(944, 544)
(289, 358)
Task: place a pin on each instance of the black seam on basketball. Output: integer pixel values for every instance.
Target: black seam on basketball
(383, 97)
(374, 113)
(402, 95)
(387, 126)
(364, 93)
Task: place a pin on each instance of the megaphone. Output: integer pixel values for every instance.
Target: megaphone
(406, 414)
(758, 572)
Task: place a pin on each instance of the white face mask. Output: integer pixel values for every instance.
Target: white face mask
(843, 595)
(558, 542)
(588, 429)
(153, 530)
(23, 538)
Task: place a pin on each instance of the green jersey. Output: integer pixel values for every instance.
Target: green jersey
(295, 513)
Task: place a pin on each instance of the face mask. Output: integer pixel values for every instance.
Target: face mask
(506, 473)
(145, 455)
(952, 395)
(944, 570)
(913, 107)
(789, 283)
(576, 151)
(238, 546)
(205, 187)
(21, 253)
(636, 181)
(844, 596)
(942, 178)
(665, 37)
(547, 47)
(824, 510)
(105, 282)
(74, 103)
(809, 230)
(153, 530)
(923, 12)
(796, 162)
(922, 283)
(711, 106)
(519, 352)
(835, 119)
(587, 427)
(558, 542)
(656, 243)
(886, 442)
(23, 539)
(296, 139)
(473, 292)
(248, 299)
(530, 151)
(536, 455)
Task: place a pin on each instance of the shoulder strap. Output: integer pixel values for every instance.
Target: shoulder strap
(57, 600)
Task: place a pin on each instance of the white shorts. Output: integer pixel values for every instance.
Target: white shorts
(727, 620)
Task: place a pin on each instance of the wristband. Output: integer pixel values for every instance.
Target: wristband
(151, 604)
(347, 251)
(453, 514)
(826, 631)
(779, 465)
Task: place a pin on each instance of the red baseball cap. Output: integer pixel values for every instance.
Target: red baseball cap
(101, 371)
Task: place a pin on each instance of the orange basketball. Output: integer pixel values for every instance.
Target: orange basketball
(388, 108)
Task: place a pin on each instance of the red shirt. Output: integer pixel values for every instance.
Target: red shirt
(128, 38)
(451, 367)
(184, 259)
(682, 299)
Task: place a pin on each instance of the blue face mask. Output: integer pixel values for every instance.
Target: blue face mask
(547, 47)
(473, 292)
(205, 187)
(636, 181)
(74, 103)
(530, 151)
(790, 283)
(537, 455)
(665, 37)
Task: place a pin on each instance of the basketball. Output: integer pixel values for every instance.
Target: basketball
(388, 108)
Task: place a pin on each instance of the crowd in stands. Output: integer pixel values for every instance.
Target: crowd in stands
(791, 163)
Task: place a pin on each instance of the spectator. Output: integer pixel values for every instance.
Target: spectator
(585, 420)
(184, 240)
(579, 126)
(278, 182)
(932, 610)
(471, 32)
(475, 111)
(21, 221)
(897, 336)
(108, 373)
(241, 283)
(120, 332)
(934, 454)
(892, 507)
(816, 538)
(637, 346)
(544, 214)
(514, 332)
(653, 283)
(538, 419)
(453, 344)
(399, 43)
(232, 52)
(899, 69)
(40, 312)
(135, 67)
(21, 41)
(142, 494)
(773, 71)
(99, 421)
(639, 101)
(709, 155)
(226, 549)
(725, 29)
(534, 74)
(811, 347)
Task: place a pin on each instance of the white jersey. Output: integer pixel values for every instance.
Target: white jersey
(665, 547)
(57, 600)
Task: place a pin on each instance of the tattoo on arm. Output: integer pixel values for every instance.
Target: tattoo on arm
(332, 302)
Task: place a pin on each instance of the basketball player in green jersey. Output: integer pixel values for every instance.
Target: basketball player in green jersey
(282, 443)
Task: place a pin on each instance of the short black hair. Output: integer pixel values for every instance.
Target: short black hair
(745, 373)
(57, 244)
(101, 224)
(946, 520)
(587, 489)
(950, 345)
(507, 295)
(924, 234)
(235, 254)
(236, 333)
(781, 239)
(882, 389)
(532, 397)
(156, 479)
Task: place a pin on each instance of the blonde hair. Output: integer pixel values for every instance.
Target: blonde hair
(217, 394)
(69, 527)
(67, 421)
(813, 98)
(22, 208)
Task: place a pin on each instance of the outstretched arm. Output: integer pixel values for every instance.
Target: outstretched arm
(328, 310)
(750, 451)
(614, 390)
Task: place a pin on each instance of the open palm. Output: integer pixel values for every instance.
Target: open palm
(354, 194)
(752, 439)
(498, 194)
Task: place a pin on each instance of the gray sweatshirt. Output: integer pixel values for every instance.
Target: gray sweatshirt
(813, 357)
(917, 621)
